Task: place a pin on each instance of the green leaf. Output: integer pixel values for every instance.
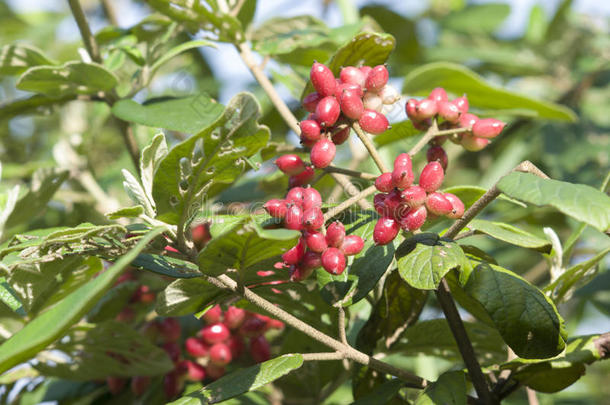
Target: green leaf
(136, 192)
(382, 394)
(53, 324)
(425, 258)
(9, 297)
(579, 201)
(186, 296)
(470, 194)
(488, 18)
(68, 79)
(186, 114)
(151, 157)
(510, 234)
(399, 131)
(283, 35)
(127, 212)
(243, 380)
(15, 59)
(31, 105)
(177, 50)
(213, 157)
(246, 12)
(527, 320)
(449, 389)
(461, 80)
(166, 266)
(244, 247)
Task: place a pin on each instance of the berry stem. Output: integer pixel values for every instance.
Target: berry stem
(370, 147)
(348, 172)
(351, 189)
(349, 202)
(341, 324)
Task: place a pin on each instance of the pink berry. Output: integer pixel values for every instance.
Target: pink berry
(295, 196)
(313, 218)
(411, 109)
(438, 94)
(402, 175)
(393, 203)
(215, 333)
(373, 122)
(467, 120)
(170, 330)
(294, 218)
(372, 101)
(366, 70)
(351, 104)
(322, 79)
(385, 230)
(353, 75)
(333, 261)
(383, 183)
(487, 128)
(311, 261)
(323, 153)
(173, 351)
(438, 154)
(220, 354)
(234, 317)
(426, 109)
(139, 385)
(335, 234)
(327, 111)
(236, 344)
(457, 204)
(413, 196)
(352, 245)
(377, 78)
(316, 241)
(298, 272)
(448, 111)
(354, 88)
(115, 384)
(276, 208)
(295, 253)
(431, 177)
(462, 104)
(194, 371)
(472, 143)
(253, 326)
(414, 219)
(310, 131)
(379, 203)
(339, 137)
(311, 101)
(260, 350)
(290, 164)
(196, 347)
(389, 95)
(437, 204)
(301, 179)
(311, 198)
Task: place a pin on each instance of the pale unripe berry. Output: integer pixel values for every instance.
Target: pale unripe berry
(295, 253)
(373, 122)
(353, 75)
(457, 204)
(290, 164)
(215, 333)
(310, 131)
(311, 261)
(341, 136)
(487, 128)
(389, 95)
(260, 350)
(301, 179)
(295, 196)
(377, 78)
(462, 104)
(413, 196)
(411, 108)
(473, 143)
(467, 120)
(351, 104)
(448, 111)
(311, 198)
(438, 94)
(220, 354)
(323, 153)
(437, 204)
(333, 261)
(352, 245)
(438, 154)
(431, 177)
(414, 219)
(383, 183)
(335, 234)
(313, 218)
(311, 101)
(327, 111)
(322, 79)
(385, 230)
(316, 241)
(276, 208)
(426, 109)
(372, 101)
(294, 218)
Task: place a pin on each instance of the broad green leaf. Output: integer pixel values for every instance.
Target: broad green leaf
(127, 212)
(382, 394)
(579, 201)
(459, 80)
(527, 320)
(487, 18)
(14, 59)
(537, 25)
(214, 157)
(425, 258)
(186, 296)
(31, 105)
(470, 194)
(244, 247)
(177, 50)
(111, 348)
(449, 389)
(510, 234)
(243, 380)
(9, 297)
(166, 266)
(246, 12)
(283, 35)
(186, 114)
(399, 131)
(68, 79)
(53, 324)
(562, 371)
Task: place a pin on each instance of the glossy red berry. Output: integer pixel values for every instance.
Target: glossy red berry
(298, 272)
(402, 175)
(115, 384)
(333, 261)
(335, 234)
(276, 208)
(301, 179)
(377, 78)
(438, 154)
(295, 196)
(431, 177)
(351, 104)
(354, 88)
(426, 109)
(323, 153)
(310, 131)
(296, 253)
(448, 111)
(322, 79)
(201, 235)
(366, 70)
(437, 204)
(438, 94)
(411, 109)
(414, 219)
(290, 164)
(353, 75)
(236, 345)
(373, 122)
(352, 245)
(260, 350)
(311, 101)
(215, 333)
(339, 137)
(327, 111)
(196, 347)
(316, 241)
(194, 371)
(462, 104)
(385, 230)
(422, 125)
(383, 183)
(413, 196)
(372, 101)
(213, 315)
(170, 330)
(253, 326)
(313, 218)
(467, 120)
(220, 354)
(393, 203)
(487, 128)
(457, 205)
(311, 198)
(311, 261)
(472, 143)
(139, 384)
(234, 317)
(294, 218)
(379, 203)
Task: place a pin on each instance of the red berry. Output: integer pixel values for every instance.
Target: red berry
(431, 177)
(339, 137)
(201, 235)
(253, 326)
(366, 70)
(172, 385)
(323, 79)
(462, 104)
(323, 153)
(220, 354)
(294, 218)
(194, 371)
(414, 219)
(377, 78)
(393, 204)
(372, 101)
(351, 104)
(213, 314)
(413, 196)
(236, 344)
(438, 94)
(426, 109)
(215, 333)
(383, 183)
(275, 324)
(354, 88)
(310, 131)
(422, 125)
(276, 208)
(214, 372)
(385, 230)
(437, 204)
(173, 351)
(335, 233)
(333, 261)
(373, 122)
(467, 120)
(327, 111)
(411, 109)
(139, 384)
(448, 111)
(299, 272)
(352, 245)
(311, 261)
(353, 75)
(403, 161)
(311, 198)
(260, 349)
(290, 164)
(196, 347)
(115, 384)
(313, 218)
(402, 175)
(457, 204)
(169, 328)
(301, 179)
(487, 128)
(295, 254)
(437, 154)
(316, 241)
(379, 203)
(234, 317)
(311, 101)
(472, 143)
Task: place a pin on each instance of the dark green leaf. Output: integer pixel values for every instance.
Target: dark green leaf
(166, 266)
(177, 50)
(510, 234)
(9, 297)
(186, 296)
(14, 59)
(487, 18)
(382, 394)
(449, 389)
(127, 212)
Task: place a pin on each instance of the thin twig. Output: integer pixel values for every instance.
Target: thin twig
(110, 12)
(531, 396)
(323, 356)
(349, 172)
(341, 324)
(370, 147)
(85, 31)
(349, 202)
(351, 190)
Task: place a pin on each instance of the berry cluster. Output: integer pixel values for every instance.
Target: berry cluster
(454, 114)
(405, 205)
(358, 94)
(300, 210)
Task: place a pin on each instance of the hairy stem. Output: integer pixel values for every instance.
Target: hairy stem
(368, 144)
